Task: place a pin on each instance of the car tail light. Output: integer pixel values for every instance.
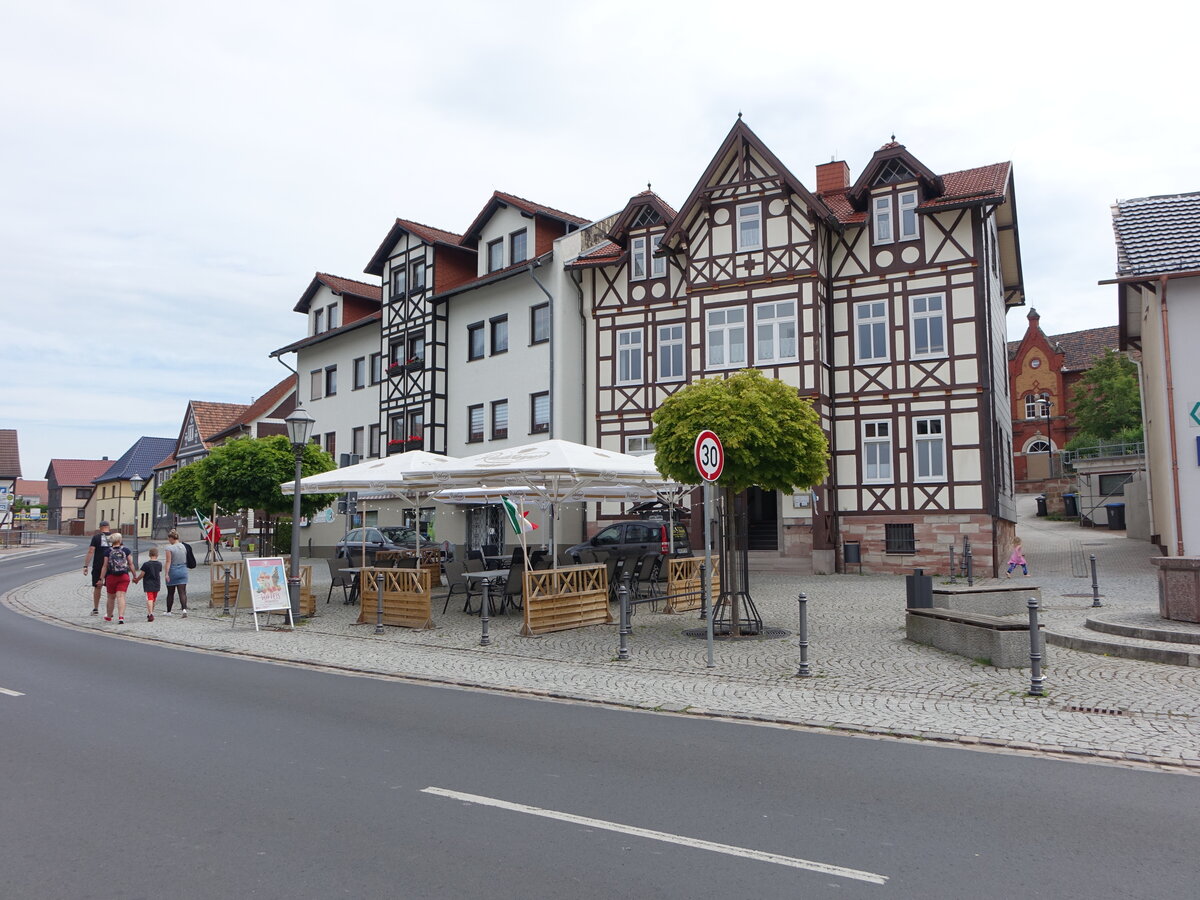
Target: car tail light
(666, 546)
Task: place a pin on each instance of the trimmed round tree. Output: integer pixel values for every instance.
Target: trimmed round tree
(772, 438)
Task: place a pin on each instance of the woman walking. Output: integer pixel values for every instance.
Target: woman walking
(115, 573)
(175, 572)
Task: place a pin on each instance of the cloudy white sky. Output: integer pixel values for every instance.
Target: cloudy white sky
(172, 175)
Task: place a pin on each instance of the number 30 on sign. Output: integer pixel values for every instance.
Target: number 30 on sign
(710, 456)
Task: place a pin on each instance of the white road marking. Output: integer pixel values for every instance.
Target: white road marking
(667, 837)
(9, 693)
(35, 565)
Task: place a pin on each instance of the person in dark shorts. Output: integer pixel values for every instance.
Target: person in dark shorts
(94, 560)
(150, 575)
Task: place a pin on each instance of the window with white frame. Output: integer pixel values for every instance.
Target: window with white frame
(881, 219)
(929, 325)
(929, 449)
(1038, 445)
(870, 330)
(639, 445)
(1037, 406)
(637, 259)
(629, 356)
(658, 264)
(749, 227)
(726, 337)
(671, 365)
(775, 332)
(877, 451)
(909, 227)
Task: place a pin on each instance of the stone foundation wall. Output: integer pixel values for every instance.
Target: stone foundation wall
(934, 536)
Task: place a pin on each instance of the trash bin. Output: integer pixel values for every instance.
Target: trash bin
(852, 554)
(1070, 507)
(918, 588)
(1116, 516)
(1041, 502)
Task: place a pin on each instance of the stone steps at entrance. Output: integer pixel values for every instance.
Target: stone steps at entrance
(772, 561)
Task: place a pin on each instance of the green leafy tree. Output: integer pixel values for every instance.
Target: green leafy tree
(184, 491)
(772, 437)
(246, 474)
(1107, 402)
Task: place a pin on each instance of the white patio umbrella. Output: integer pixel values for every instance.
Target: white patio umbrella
(409, 477)
(555, 471)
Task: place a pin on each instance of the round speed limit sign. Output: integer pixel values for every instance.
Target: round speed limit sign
(710, 456)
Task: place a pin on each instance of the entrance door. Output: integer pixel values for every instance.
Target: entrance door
(484, 526)
(762, 518)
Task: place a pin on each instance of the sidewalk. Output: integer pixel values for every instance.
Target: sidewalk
(867, 677)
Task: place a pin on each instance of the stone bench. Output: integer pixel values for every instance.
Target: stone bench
(1002, 640)
(989, 600)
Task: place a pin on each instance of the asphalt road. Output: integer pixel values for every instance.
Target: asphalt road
(135, 770)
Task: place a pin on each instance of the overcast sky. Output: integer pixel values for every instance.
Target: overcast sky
(172, 175)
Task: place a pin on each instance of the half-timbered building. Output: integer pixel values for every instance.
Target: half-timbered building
(881, 300)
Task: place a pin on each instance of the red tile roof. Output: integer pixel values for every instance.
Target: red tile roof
(213, 418)
(260, 407)
(39, 489)
(429, 234)
(350, 286)
(77, 472)
(1081, 348)
(961, 188)
(538, 209)
(603, 254)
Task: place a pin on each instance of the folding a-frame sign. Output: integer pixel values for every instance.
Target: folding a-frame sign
(263, 587)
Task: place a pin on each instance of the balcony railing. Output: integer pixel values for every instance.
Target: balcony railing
(1104, 450)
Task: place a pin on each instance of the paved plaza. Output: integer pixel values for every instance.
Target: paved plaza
(866, 676)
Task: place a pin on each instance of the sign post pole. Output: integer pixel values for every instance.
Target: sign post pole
(709, 456)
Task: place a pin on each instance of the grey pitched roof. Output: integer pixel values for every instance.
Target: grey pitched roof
(140, 459)
(1158, 235)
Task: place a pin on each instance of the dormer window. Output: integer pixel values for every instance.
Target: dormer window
(495, 255)
(637, 259)
(883, 225)
(331, 316)
(658, 264)
(518, 247)
(318, 321)
(749, 227)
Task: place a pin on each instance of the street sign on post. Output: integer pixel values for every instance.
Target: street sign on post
(709, 455)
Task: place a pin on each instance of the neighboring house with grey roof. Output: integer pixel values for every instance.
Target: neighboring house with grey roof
(1158, 304)
(113, 498)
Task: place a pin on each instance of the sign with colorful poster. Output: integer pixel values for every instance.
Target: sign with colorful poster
(267, 580)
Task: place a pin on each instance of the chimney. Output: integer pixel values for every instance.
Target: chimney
(833, 176)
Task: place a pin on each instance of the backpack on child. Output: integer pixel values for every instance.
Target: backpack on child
(191, 557)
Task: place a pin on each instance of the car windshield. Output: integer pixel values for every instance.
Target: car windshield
(398, 535)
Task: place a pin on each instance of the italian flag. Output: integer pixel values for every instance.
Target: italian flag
(517, 518)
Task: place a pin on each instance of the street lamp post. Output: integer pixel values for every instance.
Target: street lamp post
(1049, 443)
(299, 427)
(136, 483)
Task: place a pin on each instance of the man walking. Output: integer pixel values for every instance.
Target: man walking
(96, 554)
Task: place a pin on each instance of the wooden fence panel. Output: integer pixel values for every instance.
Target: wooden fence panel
(683, 583)
(406, 597)
(570, 597)
(216, 576)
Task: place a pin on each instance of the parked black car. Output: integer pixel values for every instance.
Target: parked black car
(636, 537)
(384, 537)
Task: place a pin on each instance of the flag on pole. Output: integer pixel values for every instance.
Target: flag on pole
(205, 522)
(517, 518)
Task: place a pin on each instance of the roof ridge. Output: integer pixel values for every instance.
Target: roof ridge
(550, 209)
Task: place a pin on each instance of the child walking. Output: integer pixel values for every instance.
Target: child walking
(1017, 559)
(150, 575)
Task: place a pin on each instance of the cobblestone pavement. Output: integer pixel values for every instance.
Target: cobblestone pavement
(867, 677)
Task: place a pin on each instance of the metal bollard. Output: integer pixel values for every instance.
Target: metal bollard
(970, 562)
(623, 628)
(1095, 584)
(379, 603)
(1035, 652)
(953, 580)
(225, 607)
(485, 600)
(804, 672)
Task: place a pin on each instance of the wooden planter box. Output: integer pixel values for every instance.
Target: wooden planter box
(571, 597)
(216, 575)
(406, 597)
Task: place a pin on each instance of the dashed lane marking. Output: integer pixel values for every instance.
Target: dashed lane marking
(667, 837)
(9, 693)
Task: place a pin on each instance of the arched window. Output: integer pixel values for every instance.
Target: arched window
(1039, 445)
(1037, 406)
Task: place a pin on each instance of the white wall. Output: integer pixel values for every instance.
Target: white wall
(1183, 314)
